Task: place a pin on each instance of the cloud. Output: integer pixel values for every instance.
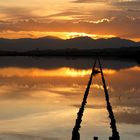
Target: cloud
(117, 3)
(126, 2)
(16, 12)
(116, 18)
(123, 27)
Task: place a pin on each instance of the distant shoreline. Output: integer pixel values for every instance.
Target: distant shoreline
(124, 52)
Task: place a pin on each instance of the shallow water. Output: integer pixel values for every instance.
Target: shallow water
(40, 98)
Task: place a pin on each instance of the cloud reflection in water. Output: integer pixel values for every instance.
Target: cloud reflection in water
(45, 103)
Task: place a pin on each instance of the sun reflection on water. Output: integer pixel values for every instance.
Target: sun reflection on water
(35, 72)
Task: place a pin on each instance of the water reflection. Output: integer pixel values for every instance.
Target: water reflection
(35, 72)
(76, 129)
(44, 106)
(54, 63)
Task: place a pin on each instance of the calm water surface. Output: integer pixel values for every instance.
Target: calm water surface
(40, 98)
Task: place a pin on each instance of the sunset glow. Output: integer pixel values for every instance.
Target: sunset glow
(37, 34)
(69, 69)
(71, 18)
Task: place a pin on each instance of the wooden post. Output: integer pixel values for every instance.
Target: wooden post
(95, 138)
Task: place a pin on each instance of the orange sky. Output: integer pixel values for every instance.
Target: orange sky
(70, 18)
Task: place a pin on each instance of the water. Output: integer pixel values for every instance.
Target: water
(40, 98)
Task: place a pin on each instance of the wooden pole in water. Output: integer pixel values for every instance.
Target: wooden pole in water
(75, 132)
(115, 133)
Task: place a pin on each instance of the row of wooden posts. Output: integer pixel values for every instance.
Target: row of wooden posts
(76, 129)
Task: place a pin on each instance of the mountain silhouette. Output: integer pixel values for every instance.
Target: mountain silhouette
(54, 43)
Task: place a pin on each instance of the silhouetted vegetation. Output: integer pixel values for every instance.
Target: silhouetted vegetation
(75, 47)
(127, 52)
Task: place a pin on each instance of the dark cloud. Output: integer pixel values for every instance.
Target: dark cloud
(120, 4)
(134, 3)
(96, 14)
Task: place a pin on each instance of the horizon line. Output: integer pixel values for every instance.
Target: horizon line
(55, 37)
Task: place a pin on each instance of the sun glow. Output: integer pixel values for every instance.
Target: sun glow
(69, 35)
(62, 35)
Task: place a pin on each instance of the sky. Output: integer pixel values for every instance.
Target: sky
(70, 18)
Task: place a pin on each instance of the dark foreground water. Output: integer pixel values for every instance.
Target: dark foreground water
(40, 98)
